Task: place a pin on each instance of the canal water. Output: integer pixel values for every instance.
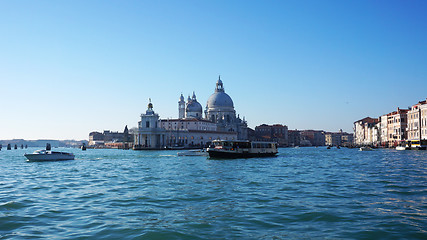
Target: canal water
(304, 193)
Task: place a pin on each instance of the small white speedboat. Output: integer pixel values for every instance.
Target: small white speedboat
(401, 148)
(365, 149)
(44, 155)
(196, 152)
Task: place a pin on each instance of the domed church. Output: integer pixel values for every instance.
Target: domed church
(219, 110)
(191, 129)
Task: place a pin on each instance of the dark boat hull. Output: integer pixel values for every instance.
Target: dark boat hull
(231, 155)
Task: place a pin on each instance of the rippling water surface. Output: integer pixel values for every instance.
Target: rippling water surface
(305, 193)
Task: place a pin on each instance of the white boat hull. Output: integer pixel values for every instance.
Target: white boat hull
(193, 153)
(49, 156)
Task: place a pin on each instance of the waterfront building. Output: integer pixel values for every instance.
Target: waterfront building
(366, 131)
(107, 138)
(375, 134)
(338, 138)
(294, 138)
(313, 137)
(275, 133)
(396, 126)
(193, 132)
(332, 139)
(96, 138)
(415, 121)
(347, 139)
(150, 135)
(423, 110)
(383, 130)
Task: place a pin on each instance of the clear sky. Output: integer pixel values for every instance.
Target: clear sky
(71, 67)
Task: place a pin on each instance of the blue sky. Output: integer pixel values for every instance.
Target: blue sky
(71, 67)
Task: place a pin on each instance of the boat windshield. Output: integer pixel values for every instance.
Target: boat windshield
(40, 152)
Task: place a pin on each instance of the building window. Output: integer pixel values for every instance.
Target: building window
(147, 124)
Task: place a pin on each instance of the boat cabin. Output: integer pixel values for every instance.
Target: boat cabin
(231, 145)
(245, 149)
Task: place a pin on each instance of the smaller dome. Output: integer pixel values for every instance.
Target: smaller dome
(194, 106)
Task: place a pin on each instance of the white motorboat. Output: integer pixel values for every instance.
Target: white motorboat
(400, 148)
(195, 152)
(365, 149)
(44, 155)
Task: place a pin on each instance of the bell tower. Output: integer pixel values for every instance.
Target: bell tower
(181, 107)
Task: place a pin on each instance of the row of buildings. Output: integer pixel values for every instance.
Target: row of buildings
(196, 128)
(289, 138)
(109, 139)
(390, 129)
(204, 132)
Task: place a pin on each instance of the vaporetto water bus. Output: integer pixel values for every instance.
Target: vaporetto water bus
(241, 149)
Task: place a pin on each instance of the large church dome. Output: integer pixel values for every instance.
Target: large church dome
(219, 99)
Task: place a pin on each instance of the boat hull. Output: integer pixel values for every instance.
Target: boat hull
(231, 154)
(48, 157)
(192, 153)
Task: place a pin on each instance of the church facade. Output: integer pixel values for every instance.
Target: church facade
(192, 128)
(150, 135)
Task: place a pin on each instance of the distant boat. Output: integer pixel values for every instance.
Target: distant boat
(45, 155)
(365, 149)
(175, 147)
(83, 147)
(194, 152)
(417, 144)
(400, 148)
(403, 145)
